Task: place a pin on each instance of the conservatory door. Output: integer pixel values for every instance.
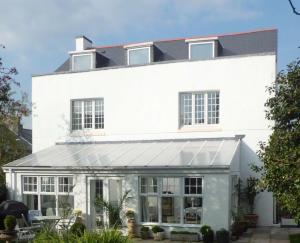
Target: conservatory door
(110, 190)
(96, 212)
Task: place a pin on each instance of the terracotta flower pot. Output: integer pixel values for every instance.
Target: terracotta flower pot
(252, 220)
(131, 226)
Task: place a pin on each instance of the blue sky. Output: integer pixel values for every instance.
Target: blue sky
(39, 34)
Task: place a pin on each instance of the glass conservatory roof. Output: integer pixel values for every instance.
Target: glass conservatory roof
(135, 154)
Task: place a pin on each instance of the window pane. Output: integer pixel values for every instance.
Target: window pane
(149, 209)
(201, 51)
(65, 205)
(82, 62)
(213, 107)
(171, 186)
(76, 115)
(138, 56)
(99, 114)
(192, 210)
(47, 184)
(193, 185)
(65, 184)
(88, 114)
(186, 109)
(170, 209)
(31, 201)
(199, 108)
(148, 185)
(48, 205)
(30, 184)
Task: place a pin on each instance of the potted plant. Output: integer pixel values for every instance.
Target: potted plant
(158, 233)
(144, 232)
(131, 225)
(9, 233)
(251, 192)
(222, 236)
(207, 234)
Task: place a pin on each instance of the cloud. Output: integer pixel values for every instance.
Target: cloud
(33, 22)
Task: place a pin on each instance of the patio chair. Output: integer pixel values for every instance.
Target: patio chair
(32, 214)
(25, 232)
(66, 224)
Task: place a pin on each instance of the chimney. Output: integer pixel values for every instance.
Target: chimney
(82, 43)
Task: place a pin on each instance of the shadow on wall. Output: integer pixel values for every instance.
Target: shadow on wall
(248, 157)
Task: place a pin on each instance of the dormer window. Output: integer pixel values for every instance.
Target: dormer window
(84, 57)
(201, 51)
(202, 48)
(82, 62)
(139, 54)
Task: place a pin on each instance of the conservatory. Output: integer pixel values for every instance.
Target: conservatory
(173, 183)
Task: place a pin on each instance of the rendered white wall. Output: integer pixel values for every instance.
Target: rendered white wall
(142, 103)
(216, 201)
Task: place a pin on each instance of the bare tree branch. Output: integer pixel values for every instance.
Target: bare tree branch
(293, 7)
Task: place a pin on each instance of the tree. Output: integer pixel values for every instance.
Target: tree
(11, 110)
(281, 154)
(293, 8)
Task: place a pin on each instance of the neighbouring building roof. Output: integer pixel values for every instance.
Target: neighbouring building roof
(244, 43)
(178, 153)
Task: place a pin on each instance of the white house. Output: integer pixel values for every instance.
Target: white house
(177, 122)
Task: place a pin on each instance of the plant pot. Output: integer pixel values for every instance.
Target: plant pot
(252, 220)
(131, 227)
(208, 238)
(6, 235)
(288, 222)
(243, 225)
(159, 236)
(222, 237)
(144, 235)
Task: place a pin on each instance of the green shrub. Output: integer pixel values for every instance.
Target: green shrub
(295, 238)
(105, 236)
(77, 229)
(10, 222)
(144, 229)
(129, 214)
(207, 234)
(156, 229)
(111, 236)
(204, 229)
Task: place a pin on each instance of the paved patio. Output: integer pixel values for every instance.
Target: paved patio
(258, 235)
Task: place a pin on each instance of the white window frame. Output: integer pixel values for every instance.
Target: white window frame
(82, 114)
(92, 56)
(23, 185)
(160, 195)
(194, 124)
(44, 192)
(201, 43)
(139, 48)
(39, 192)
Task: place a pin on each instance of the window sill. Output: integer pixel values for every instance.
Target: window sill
(87, 132)
(200, 128)
(172, 225)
